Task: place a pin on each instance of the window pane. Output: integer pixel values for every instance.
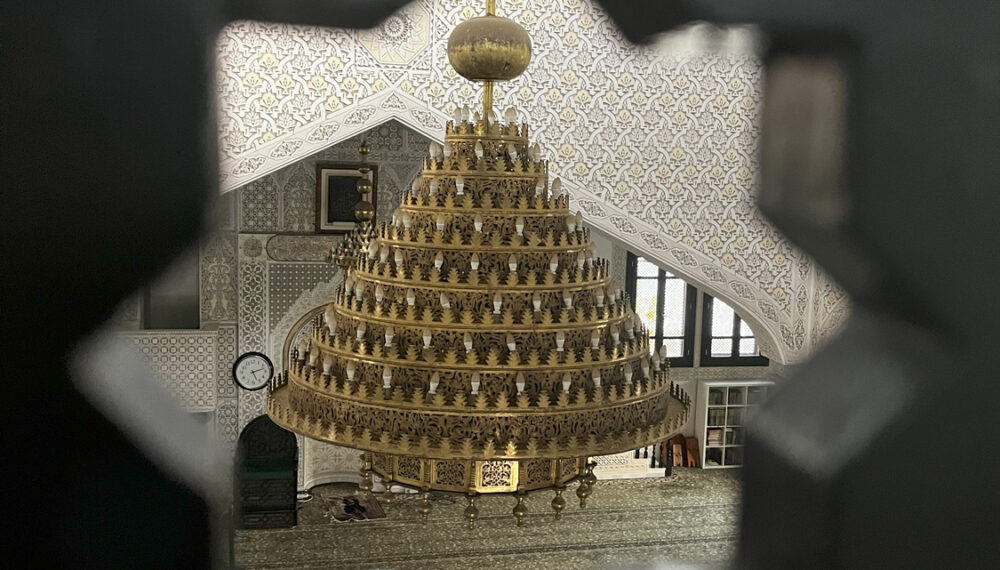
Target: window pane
(673, 307)
(722, 347)
(722, 319)
(675, 347)
(646, 269)
(745, 329)
(748, 347)
(645, 302)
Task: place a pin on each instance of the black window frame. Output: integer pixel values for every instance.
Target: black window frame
(690, 309)
(734, 359)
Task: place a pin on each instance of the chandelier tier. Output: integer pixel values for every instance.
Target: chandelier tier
(476, 344)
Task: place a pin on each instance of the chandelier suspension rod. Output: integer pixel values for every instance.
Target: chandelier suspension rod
(491, 10)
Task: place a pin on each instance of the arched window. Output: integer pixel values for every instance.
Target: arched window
(726, 339)
(666, 305)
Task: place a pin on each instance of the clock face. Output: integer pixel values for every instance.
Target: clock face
(252, 371)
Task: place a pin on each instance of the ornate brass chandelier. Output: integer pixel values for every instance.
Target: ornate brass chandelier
(476, 344)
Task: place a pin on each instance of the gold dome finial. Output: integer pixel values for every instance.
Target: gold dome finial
(489, 48)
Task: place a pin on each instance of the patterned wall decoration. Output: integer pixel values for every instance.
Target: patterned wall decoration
(301, 248)
(623, 466)
(399, 39)
(251, 406)
(658, 148)
(185, 360)
(253, 301)
(326, 463)
(259, 206)
(288, 281)
(227, 352)
(218, 278)
(227, 408)
(831, 307)
(285, 200)
(619, 259)
(227, 421)
(319, 295)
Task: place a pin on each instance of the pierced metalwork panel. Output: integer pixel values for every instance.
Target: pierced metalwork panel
(450, 476)
(570, 468)
(409, 470)
(536, 471)
(496, 476)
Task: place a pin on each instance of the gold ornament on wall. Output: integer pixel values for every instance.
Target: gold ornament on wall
(476, 344)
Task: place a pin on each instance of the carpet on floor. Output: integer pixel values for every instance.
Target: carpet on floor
(689, 517)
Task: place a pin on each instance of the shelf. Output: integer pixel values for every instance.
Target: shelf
(725, 409)
(737, 396)
(716, 397)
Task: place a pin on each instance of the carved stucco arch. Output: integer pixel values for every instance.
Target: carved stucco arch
(756, 306)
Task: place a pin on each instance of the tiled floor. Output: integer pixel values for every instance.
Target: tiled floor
(688, 517)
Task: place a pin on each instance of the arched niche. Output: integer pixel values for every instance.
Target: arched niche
(266, 476)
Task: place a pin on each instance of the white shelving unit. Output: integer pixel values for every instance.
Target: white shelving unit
(720, 420)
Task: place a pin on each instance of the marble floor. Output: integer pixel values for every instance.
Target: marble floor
(688, 518)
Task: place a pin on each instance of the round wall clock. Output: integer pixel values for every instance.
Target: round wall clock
(252, 371)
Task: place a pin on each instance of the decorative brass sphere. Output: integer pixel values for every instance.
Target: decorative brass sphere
(589, 478)
(489, 48)
(364, 211)
(582, 492)
(558, 502)
(364, 186)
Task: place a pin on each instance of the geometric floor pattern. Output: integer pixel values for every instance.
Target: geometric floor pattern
(689, 518)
